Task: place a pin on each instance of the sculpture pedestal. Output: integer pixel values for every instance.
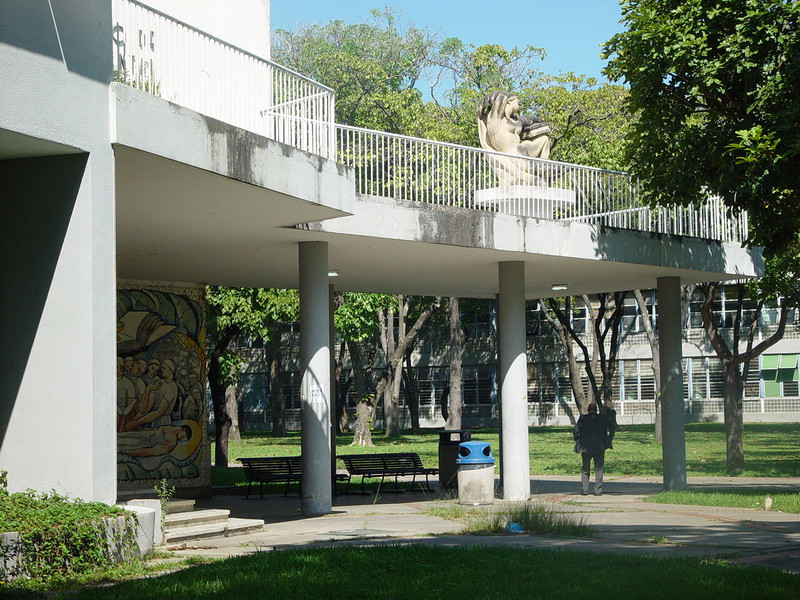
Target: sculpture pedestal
(524, 200)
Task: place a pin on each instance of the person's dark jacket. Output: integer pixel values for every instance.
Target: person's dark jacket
(591, 433)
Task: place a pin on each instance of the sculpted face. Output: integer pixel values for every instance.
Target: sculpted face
(512, 107)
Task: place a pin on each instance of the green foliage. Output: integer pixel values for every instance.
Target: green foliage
(465, 73)
(356, 314)
(715, 85)
(164, 492)
(372, 66)
(60, 537)
(249, 311)
(781, 277)
(588, 120)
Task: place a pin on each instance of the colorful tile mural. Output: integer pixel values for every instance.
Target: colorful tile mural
(160, 387)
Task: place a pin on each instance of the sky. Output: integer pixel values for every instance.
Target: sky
(570, 31)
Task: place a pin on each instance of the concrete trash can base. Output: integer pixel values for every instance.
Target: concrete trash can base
(476, 484)
(475, 473)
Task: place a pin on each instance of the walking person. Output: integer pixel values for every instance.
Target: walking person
(593, 434)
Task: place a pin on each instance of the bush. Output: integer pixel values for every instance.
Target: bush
(59, 536)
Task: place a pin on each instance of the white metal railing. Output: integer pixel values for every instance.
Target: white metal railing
(421, 170)
(170, 59)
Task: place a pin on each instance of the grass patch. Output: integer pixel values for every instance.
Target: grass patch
(771, 449)
(156, 565)
(422, 572)
(532, 517)
(783, 501)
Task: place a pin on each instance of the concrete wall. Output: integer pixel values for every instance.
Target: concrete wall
(57, 266)
(241, 23)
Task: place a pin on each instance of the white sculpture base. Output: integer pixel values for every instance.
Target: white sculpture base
(524, 200)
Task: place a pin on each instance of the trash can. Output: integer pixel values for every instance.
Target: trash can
(449, 439)
(475, 473)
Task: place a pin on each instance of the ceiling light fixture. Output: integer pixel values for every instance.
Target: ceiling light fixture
(333, 272)
(558, 287)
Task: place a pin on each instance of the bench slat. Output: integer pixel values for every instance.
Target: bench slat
(272, 469)
(383, 465)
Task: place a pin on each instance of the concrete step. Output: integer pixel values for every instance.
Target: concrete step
(179, 505)
(197, 517)
(198, 532)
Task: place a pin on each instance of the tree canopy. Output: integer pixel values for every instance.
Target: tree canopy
(372, 66)
(715, 85)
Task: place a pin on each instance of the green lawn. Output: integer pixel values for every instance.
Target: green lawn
(421, 572)
(771, 450)
(783, 501)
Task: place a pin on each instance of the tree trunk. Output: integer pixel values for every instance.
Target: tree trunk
(277, 400)
(222, 419)
(365, 406)
(656, 359)
(388, 345)
(731, 358)
(603, 326)
(232, 406)
(412, 392)
(456, 345)
(342, 421)
(365, 411)
(391, 404)
(393, 428)
(572, 364)
(733, 389)
(403, 344)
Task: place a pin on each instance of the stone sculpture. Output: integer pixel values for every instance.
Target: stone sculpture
(503, 129)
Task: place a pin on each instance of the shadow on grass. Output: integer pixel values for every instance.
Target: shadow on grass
(427, 571)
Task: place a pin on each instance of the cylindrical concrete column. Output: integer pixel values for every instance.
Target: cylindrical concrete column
(513, 382)
(315, 388)
(673, 448)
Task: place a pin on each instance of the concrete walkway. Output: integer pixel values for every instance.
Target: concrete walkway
(624, 523)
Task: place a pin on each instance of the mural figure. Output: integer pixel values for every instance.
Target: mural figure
(155, 441)
(160, 383)
(126, 391)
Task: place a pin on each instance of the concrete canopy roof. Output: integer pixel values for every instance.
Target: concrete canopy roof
(214, 204)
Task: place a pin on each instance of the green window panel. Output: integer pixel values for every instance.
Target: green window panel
(772, 389)
(770, 361)
(787, 361)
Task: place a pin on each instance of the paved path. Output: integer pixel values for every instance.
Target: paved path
(624, 523)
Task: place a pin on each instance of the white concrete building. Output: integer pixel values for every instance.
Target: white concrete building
(144, 154)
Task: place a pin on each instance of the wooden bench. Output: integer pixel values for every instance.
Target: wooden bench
(278, 469)
(272, 469)
(383, 465)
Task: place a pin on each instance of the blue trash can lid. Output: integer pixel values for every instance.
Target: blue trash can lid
(474, 453)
